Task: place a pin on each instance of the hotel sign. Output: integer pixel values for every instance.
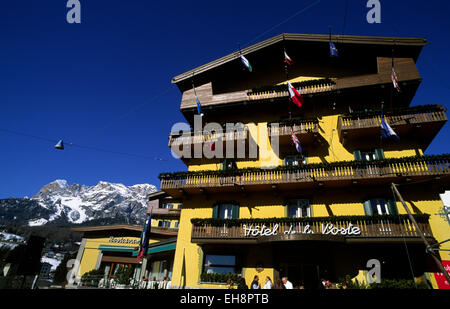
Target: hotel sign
(325, 229)
(123, 240)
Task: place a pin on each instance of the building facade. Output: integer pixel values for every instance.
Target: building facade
(326, 208)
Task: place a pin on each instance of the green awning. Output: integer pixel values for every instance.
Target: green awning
(157, 247)
(116, 248)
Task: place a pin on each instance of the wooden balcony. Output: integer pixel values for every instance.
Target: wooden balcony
(177, 142)
(170, 213)
(321, 87)
(306, 130)
(357, 229)
(423, 124)
(338, 174)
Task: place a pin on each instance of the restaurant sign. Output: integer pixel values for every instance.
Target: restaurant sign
(124, 240)
(325, 229)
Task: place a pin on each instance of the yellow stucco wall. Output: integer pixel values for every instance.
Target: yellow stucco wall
(188, 256)
(92, 251)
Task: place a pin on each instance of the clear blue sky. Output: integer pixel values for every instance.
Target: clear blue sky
(95, 83)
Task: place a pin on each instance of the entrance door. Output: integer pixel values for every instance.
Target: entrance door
(301, 274)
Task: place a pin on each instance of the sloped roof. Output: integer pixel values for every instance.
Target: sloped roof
(320, 38)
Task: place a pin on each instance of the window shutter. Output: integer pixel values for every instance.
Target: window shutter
(379, 154)
(224, 165)
(215, 213)
(357, 155)
(235, 212)
(392, 206)
(368, 208)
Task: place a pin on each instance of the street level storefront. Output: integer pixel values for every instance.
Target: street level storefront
(307, 250)
(107, 248)
(331, 236)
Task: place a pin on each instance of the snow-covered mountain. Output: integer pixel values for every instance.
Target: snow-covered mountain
(60, 202)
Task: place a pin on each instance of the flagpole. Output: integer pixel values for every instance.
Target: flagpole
(287, 80)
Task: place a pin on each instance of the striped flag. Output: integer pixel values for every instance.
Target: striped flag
(143, 244)
(287, 59)
(296, 142)
(386, 130)
(246, 63)
(395, 78)
(295, 96)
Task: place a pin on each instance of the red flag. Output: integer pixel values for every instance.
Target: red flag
(395, 80)
(287, 59)
(295, 96)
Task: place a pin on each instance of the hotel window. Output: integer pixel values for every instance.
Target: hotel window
(367, 156)
(298, 209)
(177, 224)
(380, 207)
(166, 206)
(220, 264)
(226, 211)
(295, 160)
(164, 224)
(228, 164)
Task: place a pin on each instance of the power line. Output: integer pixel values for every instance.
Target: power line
(81, 146)
(284, 21)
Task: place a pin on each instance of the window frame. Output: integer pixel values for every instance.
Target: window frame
(309, 212)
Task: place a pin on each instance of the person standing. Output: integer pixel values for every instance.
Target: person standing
(287, 284)
(268, 284)
(255, 283)
(279, 285)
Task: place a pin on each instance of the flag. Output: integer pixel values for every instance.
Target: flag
(287, 59)
(333, 50)
(246, 63)
(296, 142)
(199, 107)
(386, 130)
(394, 78)
(143, 244)
(295, 96)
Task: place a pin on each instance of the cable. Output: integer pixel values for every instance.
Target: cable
(284, 21)
(345, 17)
(134, 108)
(80, 146)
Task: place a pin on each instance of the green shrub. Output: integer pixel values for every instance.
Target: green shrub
(123, 275)
(92, 278)
(398, 284)
(219, 278)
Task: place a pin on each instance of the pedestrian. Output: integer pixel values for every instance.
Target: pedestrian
(268, 284)
(255, 283)
(287, 284)
(279, 285)
(230, 284)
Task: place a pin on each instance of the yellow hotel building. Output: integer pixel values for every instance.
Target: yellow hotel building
(322, 213)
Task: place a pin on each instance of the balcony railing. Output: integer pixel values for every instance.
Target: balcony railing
(297, 126)
(166, 212)
(201, 137)
(387, 226)
(338, 172)
(309, 87)
(401, 121)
